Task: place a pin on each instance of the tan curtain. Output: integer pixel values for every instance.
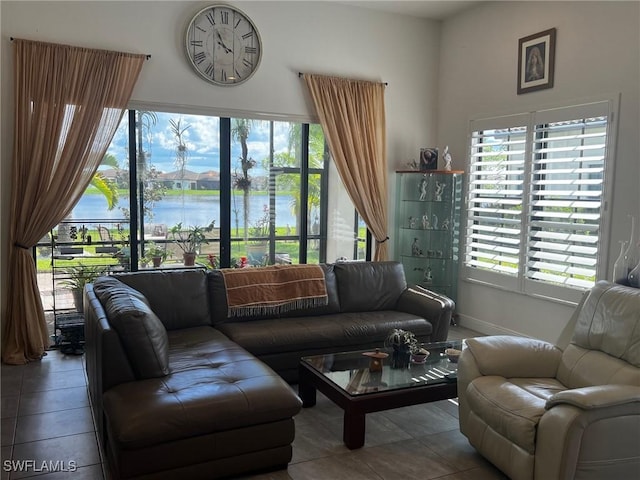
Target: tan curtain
(68, 104)
(352, 116)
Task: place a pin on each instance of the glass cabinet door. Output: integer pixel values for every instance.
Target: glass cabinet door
(427, 228)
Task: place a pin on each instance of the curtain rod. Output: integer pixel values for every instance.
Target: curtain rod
(147, 55)
(300, 75)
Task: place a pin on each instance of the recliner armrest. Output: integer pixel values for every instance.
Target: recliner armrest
(432, 306)
(598, 396)
(510, 356)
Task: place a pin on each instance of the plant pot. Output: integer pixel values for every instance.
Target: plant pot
(257, 253)
(189, 259)
(78, 300)
(157, 261)
(400, 356)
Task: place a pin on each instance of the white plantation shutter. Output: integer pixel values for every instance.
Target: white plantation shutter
(496, 177)
(565, 201)
(535, 198)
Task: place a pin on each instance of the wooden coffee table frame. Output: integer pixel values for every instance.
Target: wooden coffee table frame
(357, 406)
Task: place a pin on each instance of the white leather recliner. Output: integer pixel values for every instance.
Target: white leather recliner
(540, 412)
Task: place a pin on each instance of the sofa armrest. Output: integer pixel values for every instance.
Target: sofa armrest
(511, 356)
(432, 306)
(590, 435)
(599, 396)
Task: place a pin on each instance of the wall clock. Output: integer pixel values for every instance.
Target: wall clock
(223, 45)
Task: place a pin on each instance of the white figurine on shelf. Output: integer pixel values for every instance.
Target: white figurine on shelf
(424, 186)
(415, 248)
(412, 222)
(445, 224)
(447, 159)
(426, 225)
(439, 190)
(428, 277)
(435, 222)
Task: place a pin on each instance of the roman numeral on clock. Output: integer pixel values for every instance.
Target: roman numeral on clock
(199, 57)
(196, 43)
(209, 70)
(224, 17)
(250, 50)
(247, 63)
(211, 18)
(247, 35)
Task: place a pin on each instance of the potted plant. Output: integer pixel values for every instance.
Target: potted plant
(155, 254)
(258, 248)
(404, 343)
(76, 277)
(189, 240)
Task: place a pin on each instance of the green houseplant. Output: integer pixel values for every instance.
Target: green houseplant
(189, 240)
(76, 277)
(154, 254)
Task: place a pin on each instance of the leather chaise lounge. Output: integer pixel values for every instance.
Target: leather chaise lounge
(181, 389)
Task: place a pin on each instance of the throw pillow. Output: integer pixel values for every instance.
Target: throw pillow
(141, 332)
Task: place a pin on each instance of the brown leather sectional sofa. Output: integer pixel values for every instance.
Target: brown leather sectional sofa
(181, 390)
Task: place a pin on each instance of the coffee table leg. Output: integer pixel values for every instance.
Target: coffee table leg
(306, 391)
(353, 429)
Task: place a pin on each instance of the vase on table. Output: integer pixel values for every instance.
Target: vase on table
(629, 257)
(621, 266)
(401, 356)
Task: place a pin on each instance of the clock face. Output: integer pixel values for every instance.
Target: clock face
(223, 45)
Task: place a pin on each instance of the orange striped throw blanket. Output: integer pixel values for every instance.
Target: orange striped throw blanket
(274, 289)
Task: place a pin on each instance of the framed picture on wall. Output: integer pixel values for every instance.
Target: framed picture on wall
(536, 58)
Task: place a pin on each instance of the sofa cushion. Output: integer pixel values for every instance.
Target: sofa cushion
(141, 332)
(179, 297)
(219, 308)
(369, 286)
(341, 330)
(214, 386)
(512, 408)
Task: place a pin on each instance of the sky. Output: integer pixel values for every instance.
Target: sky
(202, 140)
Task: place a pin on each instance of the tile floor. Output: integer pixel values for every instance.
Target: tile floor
(46, 418)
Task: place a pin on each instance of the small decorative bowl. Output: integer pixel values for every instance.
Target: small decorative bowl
(453, 354)
(420, 356)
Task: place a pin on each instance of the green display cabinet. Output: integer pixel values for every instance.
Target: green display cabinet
(427, 221)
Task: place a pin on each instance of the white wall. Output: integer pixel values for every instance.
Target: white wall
(315, 37)
(597, 53)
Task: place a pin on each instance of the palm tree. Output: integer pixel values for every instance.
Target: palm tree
(240, 131)
(316, 160)
(107, 187)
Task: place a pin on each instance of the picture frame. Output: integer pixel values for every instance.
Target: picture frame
(428, 159)
(536, 61)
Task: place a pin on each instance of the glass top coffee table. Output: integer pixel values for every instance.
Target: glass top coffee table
(346, 379)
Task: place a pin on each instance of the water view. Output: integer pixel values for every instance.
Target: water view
(190, 209)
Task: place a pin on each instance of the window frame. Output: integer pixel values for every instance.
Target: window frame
(519, 283)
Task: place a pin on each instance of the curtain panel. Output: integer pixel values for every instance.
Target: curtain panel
(68, 102)
(352, 115)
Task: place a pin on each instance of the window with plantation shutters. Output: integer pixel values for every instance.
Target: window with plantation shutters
(496, 177)
(536, 199)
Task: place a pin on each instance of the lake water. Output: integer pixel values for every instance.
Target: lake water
(190, 210)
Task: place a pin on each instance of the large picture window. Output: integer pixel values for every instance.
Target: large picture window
(537, 197)
(261, 192)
